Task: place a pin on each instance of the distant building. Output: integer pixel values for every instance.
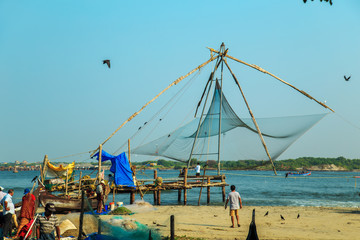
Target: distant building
(24, 163)
(17, 162)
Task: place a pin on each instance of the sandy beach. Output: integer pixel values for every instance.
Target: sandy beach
(213, 222)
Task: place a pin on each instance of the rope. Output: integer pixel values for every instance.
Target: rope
(75, 154)
(344, 119)
(187, 85)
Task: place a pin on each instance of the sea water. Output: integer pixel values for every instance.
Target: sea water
(257, 188)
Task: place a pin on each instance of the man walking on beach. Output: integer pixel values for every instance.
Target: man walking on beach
(47, 223)
(235, 204)
(8, 211)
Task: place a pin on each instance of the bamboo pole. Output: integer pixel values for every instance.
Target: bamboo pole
(202, 113)
(99, 164)
(172, 84)
(80, 183)
(223, 188)
(66, 182)
(202, 182)
(252, 117)
(185, 183)
(81, 220)
(43, 171)
(266, 72)
(208, 191)
(155, 193)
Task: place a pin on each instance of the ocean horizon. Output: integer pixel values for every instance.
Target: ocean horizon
(257, 188)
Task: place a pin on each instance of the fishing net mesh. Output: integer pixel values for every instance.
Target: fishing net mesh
(111, 226)
(239, 137)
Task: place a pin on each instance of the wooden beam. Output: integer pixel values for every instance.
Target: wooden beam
(172, 84)
(252, 117)
(266, 72)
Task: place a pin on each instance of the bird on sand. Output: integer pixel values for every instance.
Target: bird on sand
(266, 213)
(298, 215)
(347, 78)
(107, 61)
(282, 217)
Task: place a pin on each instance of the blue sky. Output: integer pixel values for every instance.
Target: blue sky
(57, 97)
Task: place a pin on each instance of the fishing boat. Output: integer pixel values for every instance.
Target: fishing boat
(68, 204)
(306, 173)
(69, 191)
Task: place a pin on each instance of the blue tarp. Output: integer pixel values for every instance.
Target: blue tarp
(120, 167)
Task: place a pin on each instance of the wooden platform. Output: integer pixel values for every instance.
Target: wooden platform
(181, 183)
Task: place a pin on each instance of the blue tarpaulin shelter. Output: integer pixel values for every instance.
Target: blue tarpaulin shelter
(120, 167)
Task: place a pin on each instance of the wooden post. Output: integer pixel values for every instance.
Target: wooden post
(81, 220)
(99, 171)
(202, 182)
(172, 227)
(185, 183)
(132, 197)
(179, 195)
(223, 188)
(129, 155)
(66, 181)
(99, 226)
(159, 197)
(80, 184)
(208, 190)
(155, 193)
(114, 194)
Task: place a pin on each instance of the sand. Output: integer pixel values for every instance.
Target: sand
(213, 222)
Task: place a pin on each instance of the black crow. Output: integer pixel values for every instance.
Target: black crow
(282, 217)
(347, 78)
(266, 213)
(107, 61)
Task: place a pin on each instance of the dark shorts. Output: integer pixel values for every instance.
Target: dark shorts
(198, 174)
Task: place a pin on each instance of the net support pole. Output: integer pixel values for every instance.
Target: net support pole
(252, 117)
(143, 107)
(99, 163)
(222, 50)
(202, 114)
(266, 72)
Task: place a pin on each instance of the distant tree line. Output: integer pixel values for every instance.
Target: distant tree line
(286, 165)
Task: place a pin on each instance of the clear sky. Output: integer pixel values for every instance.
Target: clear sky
(57, 98)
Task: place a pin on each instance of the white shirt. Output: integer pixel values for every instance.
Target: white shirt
(10, 204)
(2, 194)
(234, 200)
(197, 169)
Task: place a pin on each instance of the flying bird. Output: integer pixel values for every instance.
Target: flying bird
(347, 78)
(107, 61)
(266, 213)
(282, 217)
(298, 215)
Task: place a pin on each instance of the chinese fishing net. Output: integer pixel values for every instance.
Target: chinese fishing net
(239, 136)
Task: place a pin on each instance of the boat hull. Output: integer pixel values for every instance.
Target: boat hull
(63, 204)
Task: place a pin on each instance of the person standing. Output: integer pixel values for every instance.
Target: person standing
(8, 211)
(197, 169)
(47, 223)
(235, 204)
(100, 192)
(27, 211)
